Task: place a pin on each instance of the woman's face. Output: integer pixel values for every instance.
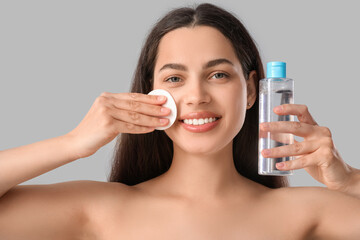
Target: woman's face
(199, 68)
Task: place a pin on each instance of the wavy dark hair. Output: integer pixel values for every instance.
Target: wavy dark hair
(141, 157)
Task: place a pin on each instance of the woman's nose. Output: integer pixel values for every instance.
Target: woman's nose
(196, 94)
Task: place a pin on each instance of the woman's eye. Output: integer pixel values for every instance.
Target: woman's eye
(172, 79)
(219, 75)
(175, 79)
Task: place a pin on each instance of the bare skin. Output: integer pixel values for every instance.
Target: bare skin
(240, 214)
(201, 196)
(98, 210)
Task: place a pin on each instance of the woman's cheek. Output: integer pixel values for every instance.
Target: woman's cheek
(239, 114)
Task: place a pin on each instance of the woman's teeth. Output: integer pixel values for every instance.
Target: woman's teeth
(199, 121)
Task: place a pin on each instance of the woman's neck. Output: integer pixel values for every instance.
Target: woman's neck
(202, 176)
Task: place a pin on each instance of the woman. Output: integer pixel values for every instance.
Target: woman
(183, 183)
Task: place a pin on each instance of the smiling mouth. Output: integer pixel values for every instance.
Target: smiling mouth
(200, 121)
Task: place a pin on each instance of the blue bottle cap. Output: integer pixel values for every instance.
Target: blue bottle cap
(276, 70)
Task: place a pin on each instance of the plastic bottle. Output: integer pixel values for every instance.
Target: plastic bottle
(274, 90)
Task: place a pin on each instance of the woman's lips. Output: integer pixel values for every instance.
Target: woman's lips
(200, 128)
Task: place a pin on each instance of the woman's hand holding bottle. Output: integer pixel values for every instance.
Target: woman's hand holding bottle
(115, 113)
(316, 154)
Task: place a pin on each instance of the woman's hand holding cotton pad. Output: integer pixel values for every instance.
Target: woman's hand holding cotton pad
(170, 103)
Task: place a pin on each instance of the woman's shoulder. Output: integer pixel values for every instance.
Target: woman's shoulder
(335, 213)
(88, 194)
(101, 201)
(310, 194)
(97, 192)
(104, 187)
(93, 190)
(303, 197)
(326, 209)
(73, 206)
(298, 207)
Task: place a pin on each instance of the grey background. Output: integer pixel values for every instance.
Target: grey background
(56, 57)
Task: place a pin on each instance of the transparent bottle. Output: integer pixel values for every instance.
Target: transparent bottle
(274, 90)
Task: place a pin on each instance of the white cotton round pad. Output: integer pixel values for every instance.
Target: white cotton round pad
(170, 103)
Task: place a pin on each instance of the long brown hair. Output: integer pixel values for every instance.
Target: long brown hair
(141, 157)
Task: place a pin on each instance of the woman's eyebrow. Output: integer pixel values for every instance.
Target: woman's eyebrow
(218, 61)
(209, 64)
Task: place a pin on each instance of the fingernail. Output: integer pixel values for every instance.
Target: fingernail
(280, 165)
(163, 120)
(160, 98)
(164, 110)
(265, 126)
(278, 109)
(267, 151)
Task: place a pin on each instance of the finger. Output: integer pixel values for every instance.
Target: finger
(298, 155)
(137, 118)
(301, 111)
(299, 163)
(296, 149)
(148, 104)
(137, 97)
(296, 128)
(125, 127)
(284, 138)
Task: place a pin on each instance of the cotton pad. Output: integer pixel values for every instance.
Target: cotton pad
(170, 103)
